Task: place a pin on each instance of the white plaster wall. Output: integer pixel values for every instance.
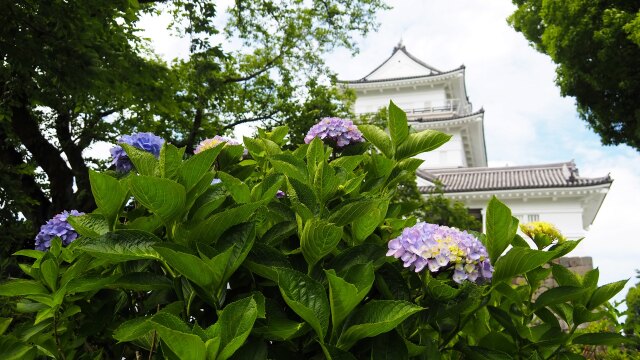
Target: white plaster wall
(399, 65)
(405, 98)
(449, 155)
(564, 213)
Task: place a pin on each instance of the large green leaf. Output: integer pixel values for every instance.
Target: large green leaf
(364, 226)
(121, 245)
(195, 167)
(318, 239)
(378, 138)
(238, 189)
(108, 193)
(209, 231)
(604, 293)
(21, 287)
(518, 261)
(307, 298)
(346, 292)
(325, 182)
(141, 281)
(163, 197)
(608, 339)
(374, 318)
(277, 326)
(178, 337)
(353, 210)
(239, 241)
(315, 155)
(143, 161)
(417, 143)
(89, 225)
(290, 166)
(236, 322)
(190, 266)
(560, 294)
(265, 260)
(398, 126)
(500, 228)
(170, 161)
(389, 346)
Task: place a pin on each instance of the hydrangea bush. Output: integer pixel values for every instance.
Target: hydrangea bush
(288, 254)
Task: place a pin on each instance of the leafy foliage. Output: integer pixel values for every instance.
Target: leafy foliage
(596, 45)
(188, 269)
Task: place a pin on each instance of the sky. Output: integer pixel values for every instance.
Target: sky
(526, 119)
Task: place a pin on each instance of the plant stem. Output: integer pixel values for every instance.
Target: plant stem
(57, 337)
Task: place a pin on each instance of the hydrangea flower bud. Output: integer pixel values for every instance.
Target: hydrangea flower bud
(335, 131)
(439, 248)
(542, 233)
(144, 141)
(57, 226)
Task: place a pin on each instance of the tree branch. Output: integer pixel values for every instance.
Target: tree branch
(243, 121)
(269, 65)
(197, 123)
(45, 155)
(83, 198)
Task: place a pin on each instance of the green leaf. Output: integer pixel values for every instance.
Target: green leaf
(187, 264)
(141, 281)
(333, 353)
(121, 245)
(378, 138)
(398, 126)
(518, 261)
(108, 193)
(239, 241)
(417, 143)
(440, 290)
(238, 189)
(349, 163)
(307, 298)
(277, 326)
(144, 162)
(353, 210)
(209, 231)
(170, 161)
(264, 261)
(236, 322)
(500, 228)
(364, 226)
(4, 324)
(133, 329)
(315, 155)
(163, 197)
(564, 276)
(604, 293)
(290, 166)
(559, 295)
(389, 346)
(318, 239)
(89, 225)
(374, 318)
(13, 349)
(49, 271)
(345, 293)
(178, 337)
(195, 167)
(21, 287)
(278, 232)
(607, 339)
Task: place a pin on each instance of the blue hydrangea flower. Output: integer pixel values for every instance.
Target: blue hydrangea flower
(144, 141)
(441, 248)
(335, 131)
(57, 226)
(215, 181)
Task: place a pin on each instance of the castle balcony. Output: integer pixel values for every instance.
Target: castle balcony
(449, 107)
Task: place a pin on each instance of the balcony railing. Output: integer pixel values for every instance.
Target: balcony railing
(437, 108)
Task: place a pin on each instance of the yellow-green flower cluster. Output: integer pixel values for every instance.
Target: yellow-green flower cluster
(542, 233)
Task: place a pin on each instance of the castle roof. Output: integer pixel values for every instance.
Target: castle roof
(558, 175)
(400, 65)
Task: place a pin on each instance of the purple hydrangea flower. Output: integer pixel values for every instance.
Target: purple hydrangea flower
(213, 142)
(336, 131)
(144, 141)
(441, 247)
(280, 194)
(215, 181)
(57, 226)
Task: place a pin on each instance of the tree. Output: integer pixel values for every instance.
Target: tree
(76, 72)
(596, 46)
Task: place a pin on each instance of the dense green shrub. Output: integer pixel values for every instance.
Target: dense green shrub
(282, 254)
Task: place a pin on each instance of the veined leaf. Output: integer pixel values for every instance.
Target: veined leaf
(238, 189)
(374, 318)
(21, 287)
(236, 322)
(518, 261)
(318, 239)
(108, 193)
(307, 298)
(378, 138)
(163, 197)
(604, 293)
(121, 245)
(398, 126)
(190, 266)
(170, 161)
(89, 225)
(500, 228)
(345, 293)
(178, 337)
(195, 167)
(353, 210)
(209, 231)
(416, 143)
